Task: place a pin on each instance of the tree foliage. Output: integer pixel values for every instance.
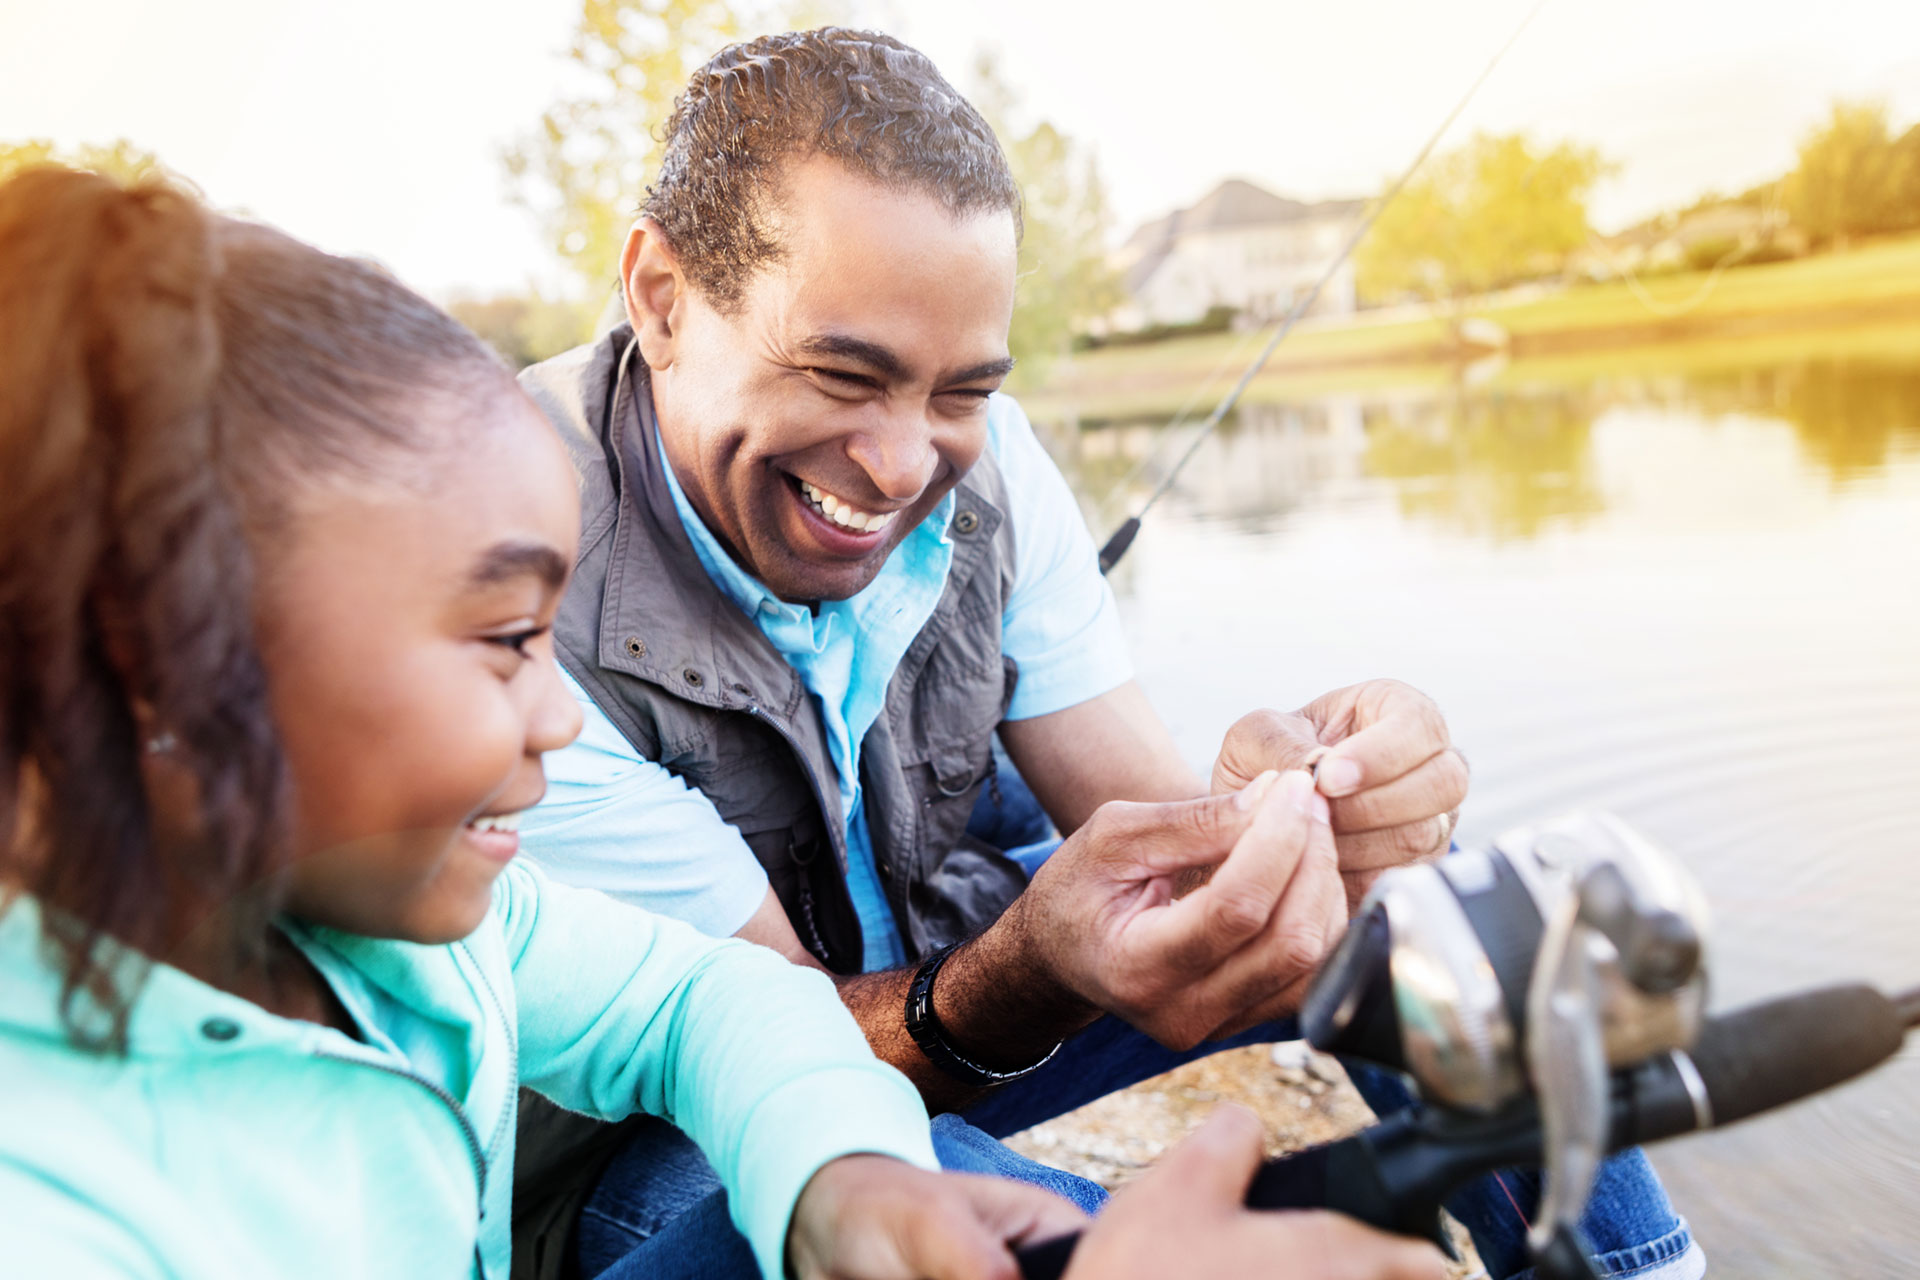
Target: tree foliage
(1065, 277)
(1854, 177)
(119, 160)
(584, 170)
(1496, 211)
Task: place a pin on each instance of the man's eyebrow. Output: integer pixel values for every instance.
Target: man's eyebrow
(507, 560)
(848, 347)
(889, 365)
(991, 369)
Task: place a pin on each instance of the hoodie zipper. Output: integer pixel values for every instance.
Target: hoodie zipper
(474, 1149)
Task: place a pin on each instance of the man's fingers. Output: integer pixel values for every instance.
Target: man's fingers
(1160, 839)
(1237, 904)
(1396, 846)
(1437, 785)
(1262, 740)
(1268, 977)
(1212, 1166)
(1407, 731)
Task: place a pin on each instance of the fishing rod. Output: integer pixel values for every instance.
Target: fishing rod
(1123, 537)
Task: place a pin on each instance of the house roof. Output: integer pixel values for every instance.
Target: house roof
(1234, 203)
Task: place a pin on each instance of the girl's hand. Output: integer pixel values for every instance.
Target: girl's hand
(872, 1217)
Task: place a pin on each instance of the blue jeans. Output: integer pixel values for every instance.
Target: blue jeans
(659, 1212)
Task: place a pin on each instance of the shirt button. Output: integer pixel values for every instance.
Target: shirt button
(220, 1029)
(966, 522)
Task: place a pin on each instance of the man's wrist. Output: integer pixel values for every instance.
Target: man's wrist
(1000, 1002)
(927, 1032)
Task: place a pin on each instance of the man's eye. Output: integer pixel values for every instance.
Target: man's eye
(967, 399)
(841, 378)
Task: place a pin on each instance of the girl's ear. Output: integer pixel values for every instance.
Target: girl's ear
(656, 292)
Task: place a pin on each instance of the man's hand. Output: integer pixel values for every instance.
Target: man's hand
(1385, 760)
(1187, 1217)
(1102, 917)
(875, 1218)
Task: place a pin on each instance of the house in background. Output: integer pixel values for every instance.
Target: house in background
(1241, 248)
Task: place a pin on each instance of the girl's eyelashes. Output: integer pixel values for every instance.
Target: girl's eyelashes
(519, 640)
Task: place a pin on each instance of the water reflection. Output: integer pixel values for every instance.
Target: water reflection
(1852, 416)
(1688, 597)
(1501, 463)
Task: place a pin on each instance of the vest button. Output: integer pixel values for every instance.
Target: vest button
(966, 522)
(220, 1029)
(636, 646)
(693, 677)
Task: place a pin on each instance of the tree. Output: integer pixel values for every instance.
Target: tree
(1491, 213)
(1065, 278)
(525, 327)
(584, 171)
(120, 160)
(1853, 178)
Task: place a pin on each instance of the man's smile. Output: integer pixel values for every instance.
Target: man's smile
(845, 516)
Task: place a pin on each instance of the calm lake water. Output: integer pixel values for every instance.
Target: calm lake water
(1693, 599)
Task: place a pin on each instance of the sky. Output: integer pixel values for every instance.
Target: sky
(376, 126)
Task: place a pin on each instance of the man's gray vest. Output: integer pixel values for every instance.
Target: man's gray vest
(693, 684)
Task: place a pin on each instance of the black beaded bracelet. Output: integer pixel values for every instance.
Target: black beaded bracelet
(927, 1032)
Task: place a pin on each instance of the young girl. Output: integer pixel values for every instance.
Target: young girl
(279, 551)
(280, 547)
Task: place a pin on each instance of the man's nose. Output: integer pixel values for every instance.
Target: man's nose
(897, 454)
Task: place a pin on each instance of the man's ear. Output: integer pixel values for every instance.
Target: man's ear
(655, 290)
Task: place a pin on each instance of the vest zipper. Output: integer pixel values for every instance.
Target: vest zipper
(817, 943)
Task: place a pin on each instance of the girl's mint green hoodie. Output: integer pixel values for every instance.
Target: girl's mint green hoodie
(229, 1142)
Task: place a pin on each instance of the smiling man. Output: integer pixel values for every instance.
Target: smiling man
(824, 562)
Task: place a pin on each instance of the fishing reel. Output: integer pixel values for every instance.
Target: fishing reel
(1546, 998)
(1531, 970)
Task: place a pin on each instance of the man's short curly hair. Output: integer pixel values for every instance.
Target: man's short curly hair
(861, 97)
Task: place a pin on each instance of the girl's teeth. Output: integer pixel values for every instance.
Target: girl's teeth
(497, 822)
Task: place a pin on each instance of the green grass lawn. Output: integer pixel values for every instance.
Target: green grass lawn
(1869, 293)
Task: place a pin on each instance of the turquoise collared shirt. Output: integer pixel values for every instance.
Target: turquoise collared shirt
(230, 1143)
(846, 652)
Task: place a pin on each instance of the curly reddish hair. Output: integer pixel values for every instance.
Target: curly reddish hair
(168, 377)
(866, 99)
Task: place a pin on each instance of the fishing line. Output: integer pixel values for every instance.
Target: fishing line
(1123, 537)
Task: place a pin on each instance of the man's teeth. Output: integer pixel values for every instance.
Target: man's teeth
(497, 822)
(845, 514)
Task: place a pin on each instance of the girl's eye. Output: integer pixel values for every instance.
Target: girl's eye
(518, 640)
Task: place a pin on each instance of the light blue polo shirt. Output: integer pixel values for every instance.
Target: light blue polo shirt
(624, 825)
